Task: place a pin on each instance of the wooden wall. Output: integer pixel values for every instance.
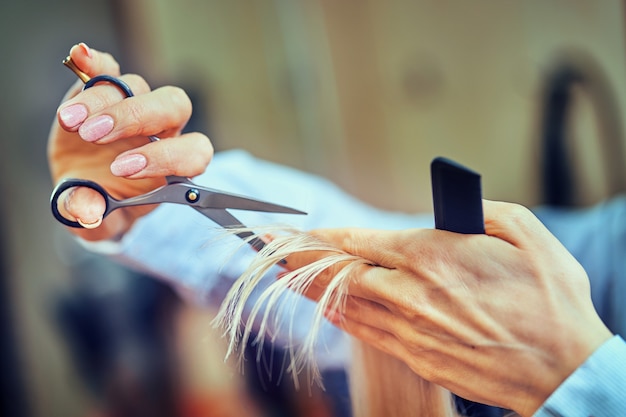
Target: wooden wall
(368, 92)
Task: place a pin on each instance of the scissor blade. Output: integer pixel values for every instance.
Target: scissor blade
(221, 200)
(228, 221)
(185, 192)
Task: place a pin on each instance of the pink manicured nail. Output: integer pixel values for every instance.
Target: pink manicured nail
(72, 116)
(86, 49)
(96, 128)
(127, 165)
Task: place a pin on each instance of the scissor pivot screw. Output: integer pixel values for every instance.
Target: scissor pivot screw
(192, 195)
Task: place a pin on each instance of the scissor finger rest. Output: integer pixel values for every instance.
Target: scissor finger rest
(72, 183)
(112, 80)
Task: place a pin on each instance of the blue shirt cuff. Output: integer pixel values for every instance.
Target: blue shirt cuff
(597, 388)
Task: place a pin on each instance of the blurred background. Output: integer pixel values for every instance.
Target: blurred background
(529, 93)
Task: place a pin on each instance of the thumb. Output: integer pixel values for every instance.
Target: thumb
(518, 226)
(83, 205)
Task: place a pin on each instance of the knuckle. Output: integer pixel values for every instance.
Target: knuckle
(180, 100)
(426, 372)
(413, 310)
(331, 268)
(205, 150)
(137, 83)
(201, 156)
(516, 215)
(196, 165)
(99, 99)
(328, 274)
(352, 240)
(133, 112)
(515, 210)
(170, 164)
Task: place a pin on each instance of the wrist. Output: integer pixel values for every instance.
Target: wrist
(566, 360)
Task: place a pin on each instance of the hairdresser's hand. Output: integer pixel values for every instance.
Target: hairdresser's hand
(501, 318)
(101, 136)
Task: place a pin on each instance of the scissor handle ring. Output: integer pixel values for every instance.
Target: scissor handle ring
(110, 79)
(71, 183)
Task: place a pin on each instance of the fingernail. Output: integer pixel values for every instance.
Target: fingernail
(86, 49)
(92, 225)
(72, 116)
(128, 165)
(96, 128)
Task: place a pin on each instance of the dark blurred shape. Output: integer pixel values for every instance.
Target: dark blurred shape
(13, 397)
(266, 379)
(122, 340)
(271, 386)
(578, 69)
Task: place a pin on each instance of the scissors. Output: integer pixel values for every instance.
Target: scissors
(179, 190)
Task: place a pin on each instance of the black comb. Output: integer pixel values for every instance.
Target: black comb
(457, 197)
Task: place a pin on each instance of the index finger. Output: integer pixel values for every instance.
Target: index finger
(364, 276)
(381, 247)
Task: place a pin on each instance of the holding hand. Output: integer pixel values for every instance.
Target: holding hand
(101, 136)
(501, 318)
